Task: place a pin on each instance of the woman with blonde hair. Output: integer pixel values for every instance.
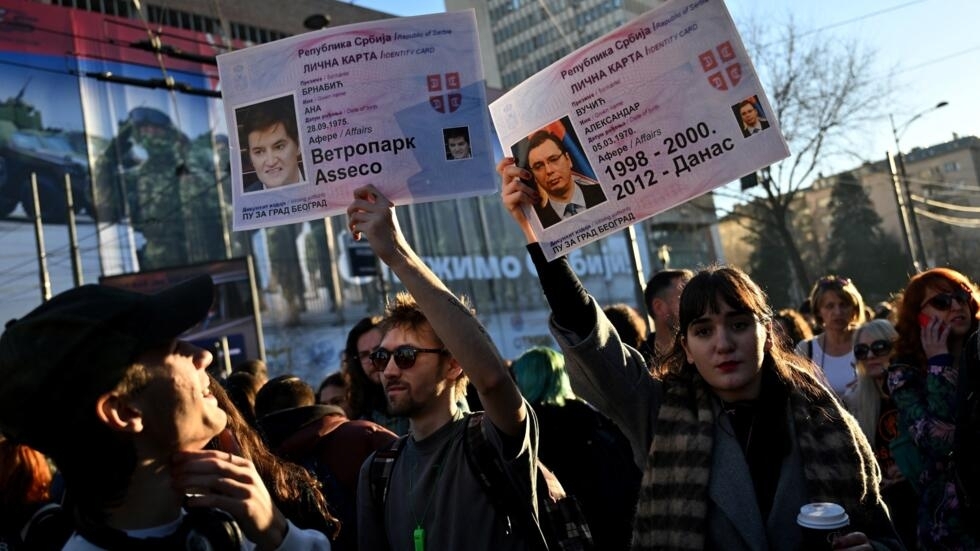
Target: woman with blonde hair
(870, 403)
(838, 309)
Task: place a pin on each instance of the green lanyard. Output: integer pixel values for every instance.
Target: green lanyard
(418, 535)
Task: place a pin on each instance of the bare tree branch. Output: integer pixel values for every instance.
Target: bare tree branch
(822, 93)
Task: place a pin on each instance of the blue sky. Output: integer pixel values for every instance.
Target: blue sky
(933, 43)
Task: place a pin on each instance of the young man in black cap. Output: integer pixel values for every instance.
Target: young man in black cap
(98, 380)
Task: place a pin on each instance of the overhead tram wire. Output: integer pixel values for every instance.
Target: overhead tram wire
(972, 223)
(554, 22)
(849, 21)
(943, 205)
(861, 17)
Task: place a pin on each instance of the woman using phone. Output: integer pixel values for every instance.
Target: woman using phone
(936, 314)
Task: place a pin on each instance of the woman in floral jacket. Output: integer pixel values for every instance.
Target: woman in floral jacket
(937, 313)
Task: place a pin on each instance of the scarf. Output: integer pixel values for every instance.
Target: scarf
(839, 465)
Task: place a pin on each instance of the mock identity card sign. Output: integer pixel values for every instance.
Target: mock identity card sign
(661, 110)
(398, 103)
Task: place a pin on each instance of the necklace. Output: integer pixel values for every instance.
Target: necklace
(418, 534)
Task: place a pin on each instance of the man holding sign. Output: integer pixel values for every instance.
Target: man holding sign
(432, 344)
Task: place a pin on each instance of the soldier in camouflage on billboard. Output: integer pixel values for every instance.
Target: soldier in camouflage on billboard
(146, 175)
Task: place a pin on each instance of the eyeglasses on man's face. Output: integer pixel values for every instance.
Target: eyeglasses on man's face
(405, 356)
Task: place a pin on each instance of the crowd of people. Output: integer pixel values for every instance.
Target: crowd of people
(708, 430)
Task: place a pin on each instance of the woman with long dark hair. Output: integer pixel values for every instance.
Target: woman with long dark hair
(293, 489)
(736, 436)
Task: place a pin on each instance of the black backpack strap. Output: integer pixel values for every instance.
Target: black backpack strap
(488, 467)
(48, 529)
(200, 528)
(379, 473)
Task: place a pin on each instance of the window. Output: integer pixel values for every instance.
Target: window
(951, 166)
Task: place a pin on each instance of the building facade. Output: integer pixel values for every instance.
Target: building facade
(943, 185)
(525, 36)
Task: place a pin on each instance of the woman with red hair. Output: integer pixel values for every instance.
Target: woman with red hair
(937, 312)
(25, 484)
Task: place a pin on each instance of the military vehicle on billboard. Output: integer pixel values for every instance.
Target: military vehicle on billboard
(26, 148)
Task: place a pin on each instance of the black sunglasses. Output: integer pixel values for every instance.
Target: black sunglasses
(877, 349)
(943, 301)
(404, 356)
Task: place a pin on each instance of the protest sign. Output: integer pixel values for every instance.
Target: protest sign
(398, 103)
(655, 113)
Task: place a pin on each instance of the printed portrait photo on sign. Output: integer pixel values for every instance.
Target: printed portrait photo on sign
(560, 171)
(457, 142)
(750, 116)
(271, 156)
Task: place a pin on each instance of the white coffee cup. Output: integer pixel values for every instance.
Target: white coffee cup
(821, 523)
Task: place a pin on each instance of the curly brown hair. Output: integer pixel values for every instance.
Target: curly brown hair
(404, 313)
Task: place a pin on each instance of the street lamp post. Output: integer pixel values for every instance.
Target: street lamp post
(914, 237)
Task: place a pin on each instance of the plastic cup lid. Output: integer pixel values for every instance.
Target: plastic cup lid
(822, 516)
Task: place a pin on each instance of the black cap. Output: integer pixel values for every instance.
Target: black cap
(58, 359)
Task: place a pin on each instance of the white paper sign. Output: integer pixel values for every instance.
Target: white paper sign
(399, 103)
(662, 110)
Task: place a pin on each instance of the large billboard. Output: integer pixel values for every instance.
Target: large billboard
(139, 132)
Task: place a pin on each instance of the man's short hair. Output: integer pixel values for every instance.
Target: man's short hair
(404, 313)
(266, 115)
(337, 379)
(254, 367)
(660, 282)
(630, 325)
(542, 136)
(281, 393)
(743, 103)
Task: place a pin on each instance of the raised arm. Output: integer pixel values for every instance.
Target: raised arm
(372, 216)
(569, 301)
(611, 376)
